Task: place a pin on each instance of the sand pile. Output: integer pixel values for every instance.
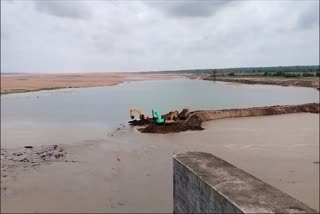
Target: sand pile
(195, 118)
(255, 111)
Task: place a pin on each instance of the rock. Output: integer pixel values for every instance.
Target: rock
(28, 147)
(24, 160)
(57, 156)
(55, 146)
(120, 203)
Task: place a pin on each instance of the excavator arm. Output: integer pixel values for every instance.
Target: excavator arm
(158, 119)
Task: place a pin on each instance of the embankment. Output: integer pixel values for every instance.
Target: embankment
(195, 118)
(310, 82)
(204, 183)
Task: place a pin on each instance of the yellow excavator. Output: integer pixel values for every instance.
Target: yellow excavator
(139, 112)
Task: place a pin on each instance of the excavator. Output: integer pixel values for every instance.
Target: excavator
(167, 119)
(157, 118)
(139, 112)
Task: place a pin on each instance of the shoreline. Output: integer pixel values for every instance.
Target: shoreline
(307, 83)
(33, 83)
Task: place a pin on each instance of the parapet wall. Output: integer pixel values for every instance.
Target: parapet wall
(203, 183)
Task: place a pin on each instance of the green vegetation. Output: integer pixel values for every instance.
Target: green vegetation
(279, 71)
(308, 75)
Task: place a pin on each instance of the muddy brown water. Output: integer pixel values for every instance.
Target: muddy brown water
(132, 172)
(128, 171)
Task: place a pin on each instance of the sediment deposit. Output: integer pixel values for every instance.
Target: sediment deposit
(14, 161)
(37, 82)
(195, 118)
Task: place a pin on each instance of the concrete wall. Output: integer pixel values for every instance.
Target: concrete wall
(204, 183)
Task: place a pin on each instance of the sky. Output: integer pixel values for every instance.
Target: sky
(68, 36)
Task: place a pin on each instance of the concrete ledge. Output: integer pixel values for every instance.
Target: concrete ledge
(204, 183)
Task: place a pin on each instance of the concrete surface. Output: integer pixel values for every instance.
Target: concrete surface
(204, 183)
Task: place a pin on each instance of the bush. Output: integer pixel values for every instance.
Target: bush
(231, 74)
(318, 74)
(307, 75)
(279, 74)
(291, 75)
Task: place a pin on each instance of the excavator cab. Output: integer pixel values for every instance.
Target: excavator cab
(137, 111)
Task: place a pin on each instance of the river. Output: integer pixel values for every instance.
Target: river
(127, 171)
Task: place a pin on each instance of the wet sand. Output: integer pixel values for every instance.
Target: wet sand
(37, 82)
(311, 82)
(132, 172)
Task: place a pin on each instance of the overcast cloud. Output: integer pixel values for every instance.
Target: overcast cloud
(110, 36)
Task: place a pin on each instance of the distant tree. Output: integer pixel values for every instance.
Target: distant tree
(214, 74)
(231, 74)
(318, 74)
(265, 73)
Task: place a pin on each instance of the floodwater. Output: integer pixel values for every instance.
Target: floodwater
(72, 115)
(127, 171)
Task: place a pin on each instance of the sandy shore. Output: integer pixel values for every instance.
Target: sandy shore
(36, 82)
(311, 82)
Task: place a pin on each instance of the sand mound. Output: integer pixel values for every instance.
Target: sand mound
(256, 111)
(195, 118)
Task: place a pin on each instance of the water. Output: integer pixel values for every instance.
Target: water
(278, 149)
(71, 115)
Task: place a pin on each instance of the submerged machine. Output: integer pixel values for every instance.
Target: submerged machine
(139, 112)
(158, 119)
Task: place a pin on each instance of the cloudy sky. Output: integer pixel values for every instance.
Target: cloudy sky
(110, 36)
